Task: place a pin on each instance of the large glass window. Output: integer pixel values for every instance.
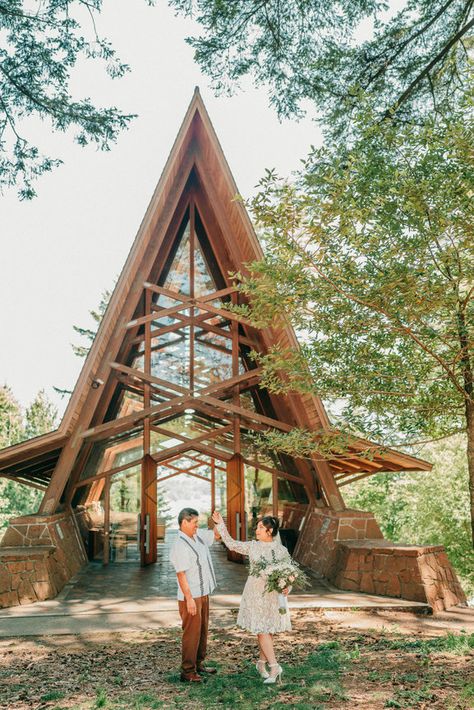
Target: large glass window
(113, 452)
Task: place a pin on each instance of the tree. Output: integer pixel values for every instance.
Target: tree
(429, 508)
(87, 333)
(164, 510)
(42, 43)
(40, 418)
(370, 256)
(11, 424)
(415, 60)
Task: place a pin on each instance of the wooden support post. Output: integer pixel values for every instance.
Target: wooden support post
(147, 369)
(106, 550)
(235, 372)
(275, 494)
(213, 485)
(235, 502)
(148, 512)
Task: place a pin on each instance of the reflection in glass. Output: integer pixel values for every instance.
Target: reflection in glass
(124, 509)
(113, 452)
(258, 497)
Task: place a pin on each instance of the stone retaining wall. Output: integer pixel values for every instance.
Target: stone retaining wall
(38, 555)
(415, 572)
(323, 527)
(348, 549)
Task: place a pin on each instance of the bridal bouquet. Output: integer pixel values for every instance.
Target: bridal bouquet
(279, 576)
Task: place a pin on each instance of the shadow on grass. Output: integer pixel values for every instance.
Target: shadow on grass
(303, 687)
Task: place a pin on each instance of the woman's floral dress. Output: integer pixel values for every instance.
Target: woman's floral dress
(258, 611)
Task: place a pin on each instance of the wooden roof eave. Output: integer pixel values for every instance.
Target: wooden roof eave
(389, 460)
(31, 448)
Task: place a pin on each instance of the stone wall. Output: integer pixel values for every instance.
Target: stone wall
(415, 572)
(38, 555)
(323, 527)
(292, 515)
(349, 550)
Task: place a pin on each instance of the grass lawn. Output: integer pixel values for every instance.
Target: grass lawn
(326, 665)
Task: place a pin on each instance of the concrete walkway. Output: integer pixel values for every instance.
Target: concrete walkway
(125, 597)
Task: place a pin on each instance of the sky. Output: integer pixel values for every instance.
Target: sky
(60, 251)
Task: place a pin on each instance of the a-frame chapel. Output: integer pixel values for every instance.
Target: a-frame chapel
(168, 389)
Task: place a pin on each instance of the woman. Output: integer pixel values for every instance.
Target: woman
(259, 610)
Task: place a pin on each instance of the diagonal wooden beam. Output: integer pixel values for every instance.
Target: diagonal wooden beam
(189, 473)
(155, 315)
(187, 444)
(116, 426)
(172, 467)
(218, 294)
(109, 472)
(212, 434)
(270, 469)
(166, 292)
(223, 313)
(24, 482)
(245, 413)
(151, 379)
(232, 381)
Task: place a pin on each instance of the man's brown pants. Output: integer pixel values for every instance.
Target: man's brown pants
(194, 642)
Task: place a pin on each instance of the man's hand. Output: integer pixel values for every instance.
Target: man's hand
(191, 606)
(217, 517)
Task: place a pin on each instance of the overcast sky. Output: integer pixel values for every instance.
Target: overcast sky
(63, 249)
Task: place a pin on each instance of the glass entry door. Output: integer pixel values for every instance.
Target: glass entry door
(124, 508)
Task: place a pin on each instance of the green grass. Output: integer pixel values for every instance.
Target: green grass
(410, 698)
(457, 644)
(52, 695)
(309, 684)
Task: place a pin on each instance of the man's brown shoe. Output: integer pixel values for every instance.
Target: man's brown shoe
(191, 678)
(207, 669)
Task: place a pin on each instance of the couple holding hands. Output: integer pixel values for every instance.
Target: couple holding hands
(263, 607)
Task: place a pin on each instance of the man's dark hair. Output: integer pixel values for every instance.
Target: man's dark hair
(187, 514)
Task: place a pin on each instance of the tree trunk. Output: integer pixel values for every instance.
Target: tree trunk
(470, 457)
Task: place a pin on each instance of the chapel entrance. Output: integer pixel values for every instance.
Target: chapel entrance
(183, 398)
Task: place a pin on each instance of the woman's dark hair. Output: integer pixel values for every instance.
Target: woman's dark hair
(271, 523)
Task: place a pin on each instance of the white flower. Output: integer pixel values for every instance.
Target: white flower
(282, 584)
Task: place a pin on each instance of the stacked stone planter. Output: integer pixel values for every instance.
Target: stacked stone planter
(38, 555)
(348, 549)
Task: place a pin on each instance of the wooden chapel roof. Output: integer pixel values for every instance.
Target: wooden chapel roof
(196, 150)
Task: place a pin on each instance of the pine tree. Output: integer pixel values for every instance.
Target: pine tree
(40, 417)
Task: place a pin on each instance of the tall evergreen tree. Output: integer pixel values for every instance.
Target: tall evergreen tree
(11, 423)
(40, 417)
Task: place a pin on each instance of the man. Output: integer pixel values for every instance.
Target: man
(191, 558)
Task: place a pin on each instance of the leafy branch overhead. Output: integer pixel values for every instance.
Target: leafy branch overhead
(413, 59)
(42, 43)
(370, 256)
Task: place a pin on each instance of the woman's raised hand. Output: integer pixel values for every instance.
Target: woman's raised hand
(217, 517)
